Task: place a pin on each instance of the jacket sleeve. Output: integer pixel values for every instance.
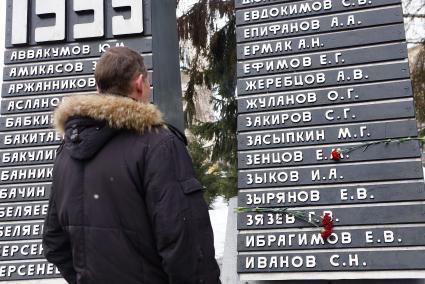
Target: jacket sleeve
(56, 244)
(179, 215)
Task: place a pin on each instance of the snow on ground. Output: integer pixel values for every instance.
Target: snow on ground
(218, 216)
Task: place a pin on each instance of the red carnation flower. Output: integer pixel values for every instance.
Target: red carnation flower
(327, 226)
(327, 219)
(336, 154)
(325, 234)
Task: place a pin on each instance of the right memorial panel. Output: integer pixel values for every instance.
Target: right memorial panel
(326, 127)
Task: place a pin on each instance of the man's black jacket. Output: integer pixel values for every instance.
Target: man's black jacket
(125, 206)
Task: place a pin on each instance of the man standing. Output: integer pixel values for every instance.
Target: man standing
(125, 205)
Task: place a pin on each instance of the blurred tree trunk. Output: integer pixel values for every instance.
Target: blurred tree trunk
(414, 13)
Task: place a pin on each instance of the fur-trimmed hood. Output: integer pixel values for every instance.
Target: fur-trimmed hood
(117, 111)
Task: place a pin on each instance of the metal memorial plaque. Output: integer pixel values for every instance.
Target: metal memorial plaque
(29, 230)
(254, 3)
(316, 155)
(25, 105)
(28, 270)
(52, 48)
(51, 86)
(48, 86)
(71, 51)
(326, 134)
(341, 58)
(301, 80)
(26, 174)
(25, 192)
(31, 156)
(313, 77)
(26, 122)
(307, 98)
(34, 138)
(308, 26)
(64, 21)
(57, 69)
(28, 211)
(346, 173)
(349, 238)
(376, 260)
(378, 192)
(46, 70)
(22, 251)
(343, 216)
(288, 10)
(289, 119)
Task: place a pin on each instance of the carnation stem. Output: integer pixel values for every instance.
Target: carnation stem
(384, 141)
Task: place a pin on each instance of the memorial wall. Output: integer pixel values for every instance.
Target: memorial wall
(52, 47)
(315, 77)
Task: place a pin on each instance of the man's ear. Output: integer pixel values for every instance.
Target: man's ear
(139, 83)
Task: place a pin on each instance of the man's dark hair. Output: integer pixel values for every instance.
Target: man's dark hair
(116, 68)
